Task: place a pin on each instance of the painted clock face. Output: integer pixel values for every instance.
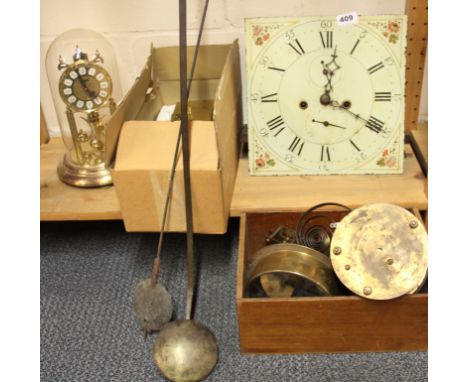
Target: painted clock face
(85, 86)
(324, 98)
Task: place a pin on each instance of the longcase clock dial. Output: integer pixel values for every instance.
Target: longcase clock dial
(324, 98)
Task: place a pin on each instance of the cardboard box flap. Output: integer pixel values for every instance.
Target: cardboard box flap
(210, 62)
(127, 110)
(227, 115)
(201, 90)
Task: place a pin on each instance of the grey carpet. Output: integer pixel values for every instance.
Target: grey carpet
(88, 329)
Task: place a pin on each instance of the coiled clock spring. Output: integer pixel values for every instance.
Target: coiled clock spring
(315, 229)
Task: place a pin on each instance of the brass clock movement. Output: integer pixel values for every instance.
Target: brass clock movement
(85, 87)
(325, 98)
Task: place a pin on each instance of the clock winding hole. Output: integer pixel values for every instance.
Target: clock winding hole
(303, 105)
(347, 104)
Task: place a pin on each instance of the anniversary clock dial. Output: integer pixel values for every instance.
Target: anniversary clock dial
(85, 86)
(324, 98)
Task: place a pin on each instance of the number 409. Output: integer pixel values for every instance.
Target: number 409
(346, 18)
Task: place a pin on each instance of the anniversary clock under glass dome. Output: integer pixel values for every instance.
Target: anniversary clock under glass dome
(83, 79)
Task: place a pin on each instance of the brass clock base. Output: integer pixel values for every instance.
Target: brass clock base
(83, 176)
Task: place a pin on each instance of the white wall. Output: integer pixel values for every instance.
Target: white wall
(131, 26)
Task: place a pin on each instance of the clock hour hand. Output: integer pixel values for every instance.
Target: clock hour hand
(328, 71)
(326, 123)
(328, 74)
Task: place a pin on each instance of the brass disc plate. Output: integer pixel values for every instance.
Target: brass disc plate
(379, 251)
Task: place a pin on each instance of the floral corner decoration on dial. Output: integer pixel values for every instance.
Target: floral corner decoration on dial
(388, 158)
(264, 160)
(260, 34)
(390, 30)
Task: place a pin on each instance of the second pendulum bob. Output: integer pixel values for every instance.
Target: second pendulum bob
(152, 305)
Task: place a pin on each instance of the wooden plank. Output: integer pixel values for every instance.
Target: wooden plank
(415, 59)
(62, 202)
(44, 131)
(298, 193)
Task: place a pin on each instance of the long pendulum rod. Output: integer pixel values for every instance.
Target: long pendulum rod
(156, 263)
(186, 154)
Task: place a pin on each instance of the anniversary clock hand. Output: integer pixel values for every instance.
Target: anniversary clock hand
(90, 93)
(326, 123)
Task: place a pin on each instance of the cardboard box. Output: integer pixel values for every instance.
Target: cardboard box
(146, 147)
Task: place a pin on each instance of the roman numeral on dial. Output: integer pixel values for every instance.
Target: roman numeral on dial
(325, 154)
(274, 68)
(273, 97)
(327, 39)
(275, 123)
(354, 47)
(296, 45)
(354, 145)
(382, 96)
(375, 68)
(297, 144)
(375, 125)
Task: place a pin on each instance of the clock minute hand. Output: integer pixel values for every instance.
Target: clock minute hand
(336, 104)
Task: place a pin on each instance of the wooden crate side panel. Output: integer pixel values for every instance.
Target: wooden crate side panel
(241, 258)
(336, 324)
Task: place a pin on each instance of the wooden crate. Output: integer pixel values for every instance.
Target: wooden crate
(345, 323)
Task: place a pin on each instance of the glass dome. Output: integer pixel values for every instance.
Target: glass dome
(84, 82)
